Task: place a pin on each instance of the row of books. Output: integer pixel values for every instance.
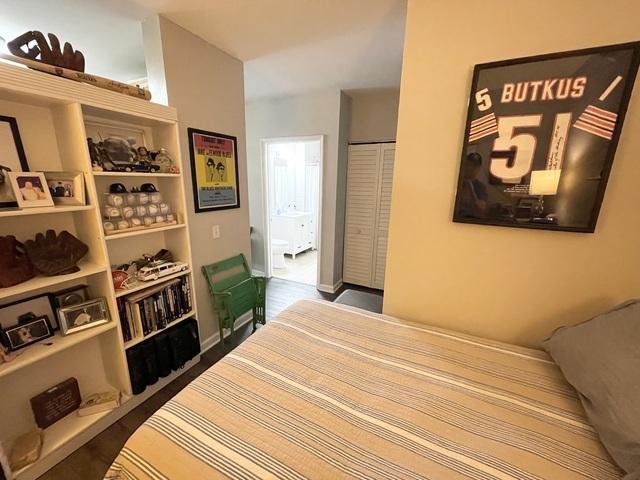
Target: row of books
(154, 308)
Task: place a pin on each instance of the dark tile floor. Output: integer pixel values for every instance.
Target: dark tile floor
(92, 460)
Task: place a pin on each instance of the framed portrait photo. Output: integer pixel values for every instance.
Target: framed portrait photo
(12, 159)
(540, 138)
(28, 333)
(30, 189)
(66, 188)
(214, 170)
(82, 316)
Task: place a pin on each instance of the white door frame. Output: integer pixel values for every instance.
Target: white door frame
(266, 227)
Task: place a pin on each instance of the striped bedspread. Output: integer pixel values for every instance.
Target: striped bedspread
(325, 391)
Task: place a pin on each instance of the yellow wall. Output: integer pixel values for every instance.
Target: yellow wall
(503, 283)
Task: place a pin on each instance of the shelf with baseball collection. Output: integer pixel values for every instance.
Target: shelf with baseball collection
(45, 124)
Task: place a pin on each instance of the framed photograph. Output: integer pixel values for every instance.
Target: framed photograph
(99, 132)
(28, 333)
(76, 318)
(30, 189)
(38, 306)
(214, 170)
(68, 297)
(66, 188)
(540, 138)
(12, 159)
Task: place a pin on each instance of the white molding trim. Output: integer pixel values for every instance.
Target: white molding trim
(214, 339)
(42, 87)
(330, 288)
(258, 273)
(264, 171)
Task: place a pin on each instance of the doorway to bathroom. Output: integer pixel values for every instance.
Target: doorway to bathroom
(293, 186)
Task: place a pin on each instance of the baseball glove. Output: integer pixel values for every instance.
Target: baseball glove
(14, 265)
(53, 254)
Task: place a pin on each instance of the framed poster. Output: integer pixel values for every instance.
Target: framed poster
(540, 138)
(214, 170)
(12, 159)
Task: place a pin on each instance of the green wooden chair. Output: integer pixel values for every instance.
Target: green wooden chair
(235, 291)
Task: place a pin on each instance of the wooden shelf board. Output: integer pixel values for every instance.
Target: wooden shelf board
(14, 212)
(40, 282)
(142, 285)
(63, 437)
(65, 430)
(144, 231)
(137, 174)
(58, 343)
(138, 340)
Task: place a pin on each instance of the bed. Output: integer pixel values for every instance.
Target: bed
(326, 391)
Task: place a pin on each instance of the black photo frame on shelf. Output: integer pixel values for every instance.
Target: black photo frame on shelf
(27, 332)
(12, 159)
(39, 305)
(540, 138)
(69, 296)
(214, 170)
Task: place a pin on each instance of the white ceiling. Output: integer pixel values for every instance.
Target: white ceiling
(289, 46)
(107, 32)
(294, 46)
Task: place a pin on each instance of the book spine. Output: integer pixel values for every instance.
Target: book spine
(141, 314)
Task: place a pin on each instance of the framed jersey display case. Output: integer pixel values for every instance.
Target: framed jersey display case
(541, 135)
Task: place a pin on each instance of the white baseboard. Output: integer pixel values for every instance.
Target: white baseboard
(214, 339)
(258, 273)
(330, 288)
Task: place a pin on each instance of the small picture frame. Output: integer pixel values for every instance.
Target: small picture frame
(30, 189)
(80, 317)
(66, 188)
(28, 332)
(12, 159)
(69, 297)
(100, 131)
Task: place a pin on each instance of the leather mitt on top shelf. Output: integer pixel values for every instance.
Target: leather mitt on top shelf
(15, 266)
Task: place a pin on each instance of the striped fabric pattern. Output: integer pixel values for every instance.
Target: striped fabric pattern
(325, 391)
(597, 121)
(483, 127)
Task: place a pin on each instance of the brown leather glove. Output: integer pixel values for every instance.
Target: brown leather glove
(65, 57)
(53, 254)
(14, 265)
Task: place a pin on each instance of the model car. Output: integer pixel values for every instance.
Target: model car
(119, 155)
(159, 269)
(143, 166)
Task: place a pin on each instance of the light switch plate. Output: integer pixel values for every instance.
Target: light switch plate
(216, 231)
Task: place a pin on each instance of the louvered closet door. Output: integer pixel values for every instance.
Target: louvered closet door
(387, 154)
(360, 216)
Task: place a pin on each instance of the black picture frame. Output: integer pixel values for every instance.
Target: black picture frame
(195, 181)
(22, 158)
(69, 296)
(37, 324)
(42, 306)
(517, 205)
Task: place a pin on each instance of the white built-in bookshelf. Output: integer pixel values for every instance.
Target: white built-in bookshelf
(51, 114)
